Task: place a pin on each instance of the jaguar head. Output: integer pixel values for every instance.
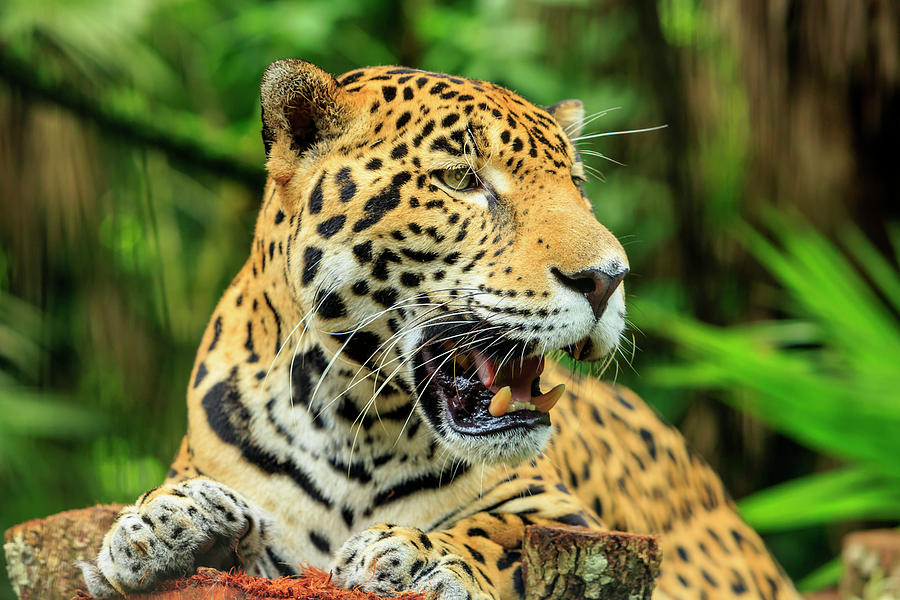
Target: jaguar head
(442, 245)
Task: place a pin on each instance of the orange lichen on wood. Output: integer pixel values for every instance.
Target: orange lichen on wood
(211, 584)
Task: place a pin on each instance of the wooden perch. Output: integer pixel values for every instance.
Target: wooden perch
(871, 564)
(559, 563)
(41, 554)
(572, 562)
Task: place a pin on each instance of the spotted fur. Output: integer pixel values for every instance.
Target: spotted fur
(310, 439)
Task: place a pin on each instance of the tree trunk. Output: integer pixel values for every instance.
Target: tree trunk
(871, 564)
(41, 554)
(571, 563)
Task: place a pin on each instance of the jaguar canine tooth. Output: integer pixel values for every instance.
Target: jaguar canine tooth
(576, 350)
(500, 402)
(463, 360)
(545, 402)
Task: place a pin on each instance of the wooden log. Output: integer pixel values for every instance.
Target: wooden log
(41, 554)
(559, 563)
(871, 564)
(572, 562)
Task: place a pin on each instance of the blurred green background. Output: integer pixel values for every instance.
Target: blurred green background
(762, 223)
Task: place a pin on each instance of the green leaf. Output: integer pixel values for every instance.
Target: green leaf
(40, 414)
(825, 576)
(826, 375)
(824, 498)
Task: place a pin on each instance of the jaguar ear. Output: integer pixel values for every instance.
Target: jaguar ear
(301, 105)
(570, 116)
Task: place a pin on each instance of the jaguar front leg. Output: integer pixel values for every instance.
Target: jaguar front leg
(172, 530)
(477, 557)
(388, 558)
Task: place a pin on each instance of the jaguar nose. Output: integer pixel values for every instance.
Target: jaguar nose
(597, 285)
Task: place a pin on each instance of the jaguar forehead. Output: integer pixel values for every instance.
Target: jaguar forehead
(468, 104)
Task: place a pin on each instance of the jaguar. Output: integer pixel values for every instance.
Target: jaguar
(376, 392)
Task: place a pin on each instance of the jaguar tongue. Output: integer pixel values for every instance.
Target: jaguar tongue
(517, 374)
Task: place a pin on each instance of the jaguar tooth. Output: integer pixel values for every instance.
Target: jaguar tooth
(576, 350)
(545, 402)
(500, 402)
(463, 360)
(520, 405)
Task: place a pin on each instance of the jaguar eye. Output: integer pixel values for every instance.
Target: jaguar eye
(458, 179)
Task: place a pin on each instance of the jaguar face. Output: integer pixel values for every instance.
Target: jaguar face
(441, 244)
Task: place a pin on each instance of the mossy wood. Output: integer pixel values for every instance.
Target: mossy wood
(41, 553)
(572, 562)
(871, 565)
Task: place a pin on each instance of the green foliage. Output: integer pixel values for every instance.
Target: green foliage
(142, 199)
(27, 411)
(40, 428)
(826, 375)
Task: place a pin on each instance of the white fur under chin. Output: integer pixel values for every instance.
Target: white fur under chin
(510, 447)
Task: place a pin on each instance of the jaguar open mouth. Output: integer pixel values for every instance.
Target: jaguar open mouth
(481, 392)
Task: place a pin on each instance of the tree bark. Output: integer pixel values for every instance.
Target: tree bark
(41, 554)
(871, 564)
(571, 562)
